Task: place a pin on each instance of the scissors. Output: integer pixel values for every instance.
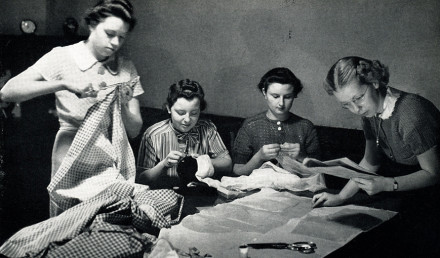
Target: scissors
(302, 247)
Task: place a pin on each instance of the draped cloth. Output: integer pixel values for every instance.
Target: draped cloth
(106, 214)
(115, 223)
(100, 154)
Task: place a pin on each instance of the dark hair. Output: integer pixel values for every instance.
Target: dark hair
(187, 89)
(105, 8)
(362, 70)
(280, 75)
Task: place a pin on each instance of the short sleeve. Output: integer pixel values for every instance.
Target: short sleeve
(216, 146)
(312, 147)
(138, 90)
(242, 149)
(147, 154)
(419, 125)
(50, 65)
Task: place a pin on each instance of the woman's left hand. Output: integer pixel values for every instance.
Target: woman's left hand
(374, 185)
(291, 149)
(126, 94)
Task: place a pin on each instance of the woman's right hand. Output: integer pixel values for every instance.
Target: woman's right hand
(326, 199)
(172, 159)
(81, 90)
(269, 151)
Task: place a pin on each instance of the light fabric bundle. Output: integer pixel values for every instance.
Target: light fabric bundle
(271, 176)
(287, 177)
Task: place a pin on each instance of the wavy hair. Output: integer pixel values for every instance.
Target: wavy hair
(354, 68)
(280, 75)
(104, 8)
(187, 89)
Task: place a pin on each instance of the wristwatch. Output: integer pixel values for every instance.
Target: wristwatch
(395, 184)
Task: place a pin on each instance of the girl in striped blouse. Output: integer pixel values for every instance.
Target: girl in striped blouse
(166, 143)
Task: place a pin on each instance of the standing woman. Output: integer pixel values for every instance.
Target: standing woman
(402, 134)
(275, 131)
(80, 74)
(166, 143)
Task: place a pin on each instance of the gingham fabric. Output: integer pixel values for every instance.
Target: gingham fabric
(99, 155)
(156, 203)
(112, 224)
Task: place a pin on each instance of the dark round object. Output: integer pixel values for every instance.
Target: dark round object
(186, 169)
(28, 26)
(70, 26)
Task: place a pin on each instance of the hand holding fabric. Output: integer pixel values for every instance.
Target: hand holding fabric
(269, 151)
(326, 199)
(204, 167)
(81, 90)
(172, 159)
(291, 149)
(126, 94)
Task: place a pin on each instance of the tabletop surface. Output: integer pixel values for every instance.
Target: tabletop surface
(220, 227)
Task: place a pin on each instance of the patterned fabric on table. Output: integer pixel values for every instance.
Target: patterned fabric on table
(99, 155)
(115, 223)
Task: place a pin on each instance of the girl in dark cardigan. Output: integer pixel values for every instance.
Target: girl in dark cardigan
(402, 145)
(400, 127)
(276, 131)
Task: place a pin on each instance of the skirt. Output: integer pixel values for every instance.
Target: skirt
(63, 140)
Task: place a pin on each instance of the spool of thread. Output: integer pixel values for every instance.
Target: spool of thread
(244, 249)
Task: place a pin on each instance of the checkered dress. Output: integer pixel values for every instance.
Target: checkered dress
(100, 154)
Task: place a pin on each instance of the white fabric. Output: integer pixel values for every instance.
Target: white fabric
(162, 249)
(268, 176)
(204, 167)
(271, 176)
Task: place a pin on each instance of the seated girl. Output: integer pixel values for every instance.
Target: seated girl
(401, 129)
(166, 143)
(402, 145)
(276, 131)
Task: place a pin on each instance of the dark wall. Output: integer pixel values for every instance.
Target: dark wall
(228, 45)
(28, 140)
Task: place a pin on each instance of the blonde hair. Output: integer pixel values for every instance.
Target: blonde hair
(362, 70)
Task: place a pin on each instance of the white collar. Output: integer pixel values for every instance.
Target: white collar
(389, 103)
(82, 56)
(85, 59)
